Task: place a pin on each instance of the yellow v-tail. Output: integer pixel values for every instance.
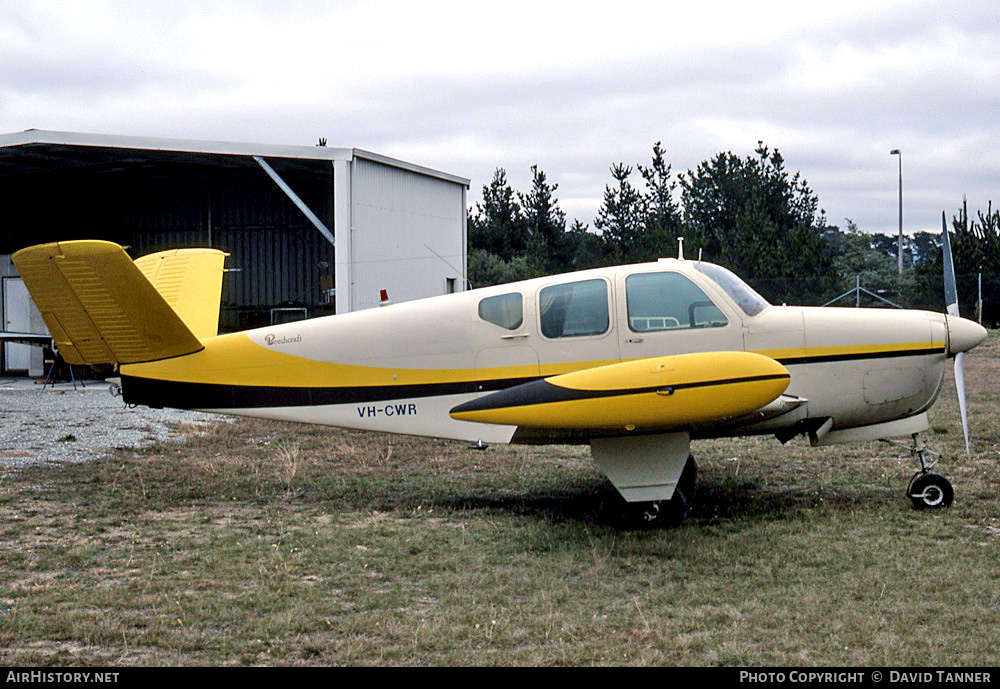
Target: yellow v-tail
(100, 307)
(190, 281)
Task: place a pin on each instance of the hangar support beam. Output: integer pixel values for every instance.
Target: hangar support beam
(299, 203)
(343, 223)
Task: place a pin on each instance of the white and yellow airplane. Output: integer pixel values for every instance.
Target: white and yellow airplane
(637, 360)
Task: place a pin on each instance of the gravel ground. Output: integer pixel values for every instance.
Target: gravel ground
(60, 424)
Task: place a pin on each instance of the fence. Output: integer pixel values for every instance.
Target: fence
(978, 293)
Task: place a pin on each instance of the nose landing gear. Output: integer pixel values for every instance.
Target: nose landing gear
(928, 490)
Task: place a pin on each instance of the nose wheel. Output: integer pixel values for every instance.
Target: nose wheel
(928, 490)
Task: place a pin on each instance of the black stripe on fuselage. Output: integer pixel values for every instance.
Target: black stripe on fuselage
(543, 392)
(857, 356)
(152, 392)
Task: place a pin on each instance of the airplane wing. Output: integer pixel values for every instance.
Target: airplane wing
(642, 395)
(38, 339)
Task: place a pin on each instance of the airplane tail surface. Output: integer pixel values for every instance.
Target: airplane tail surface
(190, 281)
(102, 307)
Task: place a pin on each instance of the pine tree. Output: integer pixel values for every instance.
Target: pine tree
(499, 225)
(661, 215)
(546, 223)
(620, 216)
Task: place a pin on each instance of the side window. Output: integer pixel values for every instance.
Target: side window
(505, 310)
(575, 309)
(668, 301)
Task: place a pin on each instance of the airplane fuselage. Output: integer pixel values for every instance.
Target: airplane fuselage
(405, 367)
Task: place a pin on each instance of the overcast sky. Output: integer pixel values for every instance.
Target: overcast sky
(467, 87)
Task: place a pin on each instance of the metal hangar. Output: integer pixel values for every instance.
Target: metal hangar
(310, 230)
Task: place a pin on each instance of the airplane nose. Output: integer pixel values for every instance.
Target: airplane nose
(963, 335)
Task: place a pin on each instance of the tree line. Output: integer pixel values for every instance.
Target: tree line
(749, 214)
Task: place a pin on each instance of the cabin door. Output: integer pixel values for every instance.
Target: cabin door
(662, 312)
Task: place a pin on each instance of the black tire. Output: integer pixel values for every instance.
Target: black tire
(930, 491)
(674, 511)
(689, 478)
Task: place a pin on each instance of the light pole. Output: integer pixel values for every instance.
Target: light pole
(899, 250)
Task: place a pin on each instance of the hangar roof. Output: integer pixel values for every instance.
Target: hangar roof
(38, 151)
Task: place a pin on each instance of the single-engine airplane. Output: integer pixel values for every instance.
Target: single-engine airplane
(637, 360)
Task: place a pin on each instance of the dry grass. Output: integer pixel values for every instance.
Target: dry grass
(264, 543)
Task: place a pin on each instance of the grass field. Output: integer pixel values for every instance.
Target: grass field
(267, 543)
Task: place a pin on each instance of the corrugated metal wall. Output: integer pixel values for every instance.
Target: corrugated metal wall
(276, 257)
(407, 233)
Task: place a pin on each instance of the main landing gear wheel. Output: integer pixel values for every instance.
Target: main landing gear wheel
(930, 491)
(667, 513)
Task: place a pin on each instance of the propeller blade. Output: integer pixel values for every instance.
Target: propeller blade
(960, 388)
(951, 306)
(950, 286)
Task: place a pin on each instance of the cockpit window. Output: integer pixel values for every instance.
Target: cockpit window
(744, 295)
(668, 301)
(505, 310)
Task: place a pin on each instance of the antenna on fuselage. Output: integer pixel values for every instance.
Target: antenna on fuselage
(680, 248)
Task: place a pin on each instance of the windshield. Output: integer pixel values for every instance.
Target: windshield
(744, 295)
